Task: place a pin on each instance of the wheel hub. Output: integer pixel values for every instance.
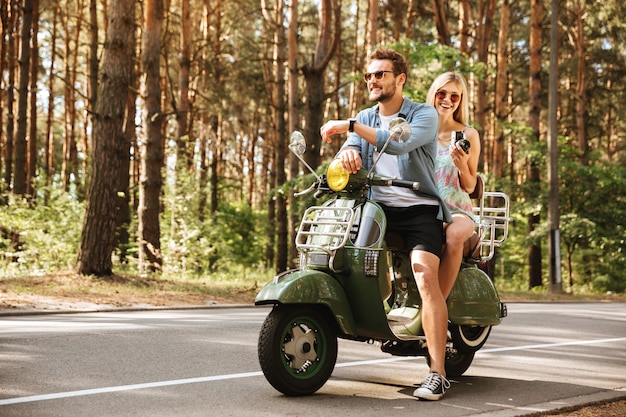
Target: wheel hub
(301, 348)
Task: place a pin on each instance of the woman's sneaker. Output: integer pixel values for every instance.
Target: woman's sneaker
(433, 387)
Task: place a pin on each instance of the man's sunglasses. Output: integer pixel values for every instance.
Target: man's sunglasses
(454, 97)
(378, 74)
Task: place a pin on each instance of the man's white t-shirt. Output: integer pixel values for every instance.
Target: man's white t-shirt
(387, 166)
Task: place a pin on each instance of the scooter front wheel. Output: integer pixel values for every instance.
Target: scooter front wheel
(297, 349)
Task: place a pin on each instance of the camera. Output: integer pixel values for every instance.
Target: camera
(459, 137)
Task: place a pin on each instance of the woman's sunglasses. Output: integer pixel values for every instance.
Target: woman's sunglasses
(378, 74)
(454, 97)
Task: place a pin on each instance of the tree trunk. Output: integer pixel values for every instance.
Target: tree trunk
(441, 22)
(501, 90)
(150, 257)
(314, 75)
(581, 81)
(12, 42)
(294, 119)
(125, 186)
(98, 236)
(534, 122)
(184, 105)
(483, 31)
(219, 140)
(49, 138)
(70, 150)
(372, 26)
(277, 95)
(20, 151)
(465, 26)
(34, 79)
(270, 229)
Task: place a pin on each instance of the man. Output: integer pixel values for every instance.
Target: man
(417, 215)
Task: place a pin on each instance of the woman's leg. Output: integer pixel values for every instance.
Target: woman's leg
(457, 233)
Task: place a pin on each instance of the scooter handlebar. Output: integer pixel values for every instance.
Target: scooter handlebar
(413, 185)
(386, 181)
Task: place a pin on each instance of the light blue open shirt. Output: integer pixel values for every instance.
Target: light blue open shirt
(416, 156)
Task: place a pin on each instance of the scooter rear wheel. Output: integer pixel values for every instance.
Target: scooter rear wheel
(456, 364)
(297, 349)
(469, 338)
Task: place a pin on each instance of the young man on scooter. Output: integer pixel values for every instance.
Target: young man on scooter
(416, 215)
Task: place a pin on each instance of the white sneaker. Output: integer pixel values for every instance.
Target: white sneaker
(433, 387)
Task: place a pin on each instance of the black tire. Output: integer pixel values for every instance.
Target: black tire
(456, 364)
(297, 349)
(469, 338)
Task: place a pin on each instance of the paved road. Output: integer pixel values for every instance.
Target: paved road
(203, 363)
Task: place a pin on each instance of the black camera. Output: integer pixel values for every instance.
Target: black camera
(459, 137)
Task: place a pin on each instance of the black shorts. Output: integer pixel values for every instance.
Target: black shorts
(418, 225)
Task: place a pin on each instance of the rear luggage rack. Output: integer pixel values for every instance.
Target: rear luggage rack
(492, 218)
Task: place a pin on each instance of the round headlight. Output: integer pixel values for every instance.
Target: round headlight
(336, 176)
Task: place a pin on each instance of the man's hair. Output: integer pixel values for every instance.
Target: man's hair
(400, 65)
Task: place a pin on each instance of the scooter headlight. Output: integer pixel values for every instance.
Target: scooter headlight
(337, 176)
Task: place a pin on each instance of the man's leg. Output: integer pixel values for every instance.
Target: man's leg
(434, 309)
(434, 321)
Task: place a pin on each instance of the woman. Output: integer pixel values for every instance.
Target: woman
(456, 168)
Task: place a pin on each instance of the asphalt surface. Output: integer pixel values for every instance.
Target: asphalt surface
(202, 362)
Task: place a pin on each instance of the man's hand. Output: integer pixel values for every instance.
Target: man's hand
(333, 127)
(350, 160)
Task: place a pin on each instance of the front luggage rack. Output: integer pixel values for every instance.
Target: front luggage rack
(324, 228)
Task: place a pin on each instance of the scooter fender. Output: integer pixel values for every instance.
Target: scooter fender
(310, 287)
(474, 299)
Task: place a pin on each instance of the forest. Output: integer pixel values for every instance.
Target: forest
(150, 136)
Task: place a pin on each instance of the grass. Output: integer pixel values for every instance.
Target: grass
(125, 290)
(67, 287)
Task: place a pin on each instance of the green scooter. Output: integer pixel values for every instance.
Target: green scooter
(355, 282)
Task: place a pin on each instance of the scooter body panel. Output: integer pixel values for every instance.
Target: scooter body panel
(474, 299)
(310, 287)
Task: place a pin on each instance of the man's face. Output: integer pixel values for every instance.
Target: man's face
(383, 88)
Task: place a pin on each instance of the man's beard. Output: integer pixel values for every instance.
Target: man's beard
(383, 95)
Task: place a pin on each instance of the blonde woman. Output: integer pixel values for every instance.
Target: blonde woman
(456, 168)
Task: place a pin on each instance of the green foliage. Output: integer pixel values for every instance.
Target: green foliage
(202, 244)
(591, 227)
(39, 238)
(427, 61)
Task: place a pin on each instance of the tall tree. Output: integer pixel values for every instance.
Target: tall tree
(294, 117)
(34, 82)
(580, 49)
(486, 11)
(275, 21)
(314, 72)
(183, 112)
(98, 236)
(150, 182)
(534, 122)
(501, 96)
(11, 21)
(71, 54)
(20, 151)
(441, 22)
(49, 137)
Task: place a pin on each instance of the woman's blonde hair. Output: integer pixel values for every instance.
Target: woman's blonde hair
(461, 114)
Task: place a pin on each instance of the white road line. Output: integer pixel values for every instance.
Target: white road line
(79, 393)
(59, 395)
